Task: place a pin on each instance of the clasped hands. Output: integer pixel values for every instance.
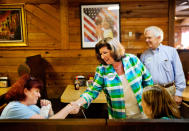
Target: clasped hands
(75, 107)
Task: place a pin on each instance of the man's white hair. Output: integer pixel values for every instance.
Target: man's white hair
(156, 31)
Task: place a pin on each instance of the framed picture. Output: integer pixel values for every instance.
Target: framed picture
(99, 21)
(12, 25)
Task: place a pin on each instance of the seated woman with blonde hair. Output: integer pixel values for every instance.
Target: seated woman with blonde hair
(23, 97)
(158, 104)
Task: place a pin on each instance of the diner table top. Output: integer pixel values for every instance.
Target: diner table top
(70, 94)
(3, 90)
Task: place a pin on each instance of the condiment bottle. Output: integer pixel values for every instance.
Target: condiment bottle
(76, 84)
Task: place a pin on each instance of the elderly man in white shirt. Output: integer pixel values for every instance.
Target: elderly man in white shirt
(164, 63)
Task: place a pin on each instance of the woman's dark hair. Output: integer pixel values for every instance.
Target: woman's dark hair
(16, 92)
(117, 50)
(161, 102)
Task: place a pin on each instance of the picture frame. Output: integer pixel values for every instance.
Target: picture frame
(99, 21)
(12, 25)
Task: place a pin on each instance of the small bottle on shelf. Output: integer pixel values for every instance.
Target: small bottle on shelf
(77, 84)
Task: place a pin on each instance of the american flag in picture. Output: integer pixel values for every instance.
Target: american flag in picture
(98, 22)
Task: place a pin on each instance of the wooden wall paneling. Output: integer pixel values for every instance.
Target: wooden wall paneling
(137, 26)
(171, 25)
(73, 68)
(7, 68)
(49, 31)
(29, 1)
(46, 23)
(47, 53)
(47, 45)
(144, 21)
(144, 0)
(44, 16)
(66, 75)
(74, 22)
(133, 8)
(137, 32)
(144, 13)
(55, 87)
(41, 40)
(72, 60)
(32, 28)
(11, 61)
(57, 81)
(184, 58)
(74, 25)
(144, 5)
(75, 30)
(38, 39)
(144, 9)
(19, 53)
(136, 45)
(104, 1)
(69, 53)
(51, 10)
(140, 45)
(64, 24)
(75, 11)
(75, 45)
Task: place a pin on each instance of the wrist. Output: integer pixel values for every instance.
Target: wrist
(51, 112)
(69, 107)
(79, 104)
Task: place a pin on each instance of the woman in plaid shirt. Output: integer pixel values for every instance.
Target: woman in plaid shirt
(122, 77)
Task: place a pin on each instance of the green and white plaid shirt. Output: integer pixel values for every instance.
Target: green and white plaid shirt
(107, 79)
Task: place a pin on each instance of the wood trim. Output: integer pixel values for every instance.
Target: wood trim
(171, 22)
(64, 24)
(50, 21)
(29, 1)
(43, 26)
(55, 53)
(52, 11)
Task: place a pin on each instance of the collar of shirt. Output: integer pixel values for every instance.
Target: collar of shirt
(157, 49)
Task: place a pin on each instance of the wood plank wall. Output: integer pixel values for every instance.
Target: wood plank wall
(53, 31)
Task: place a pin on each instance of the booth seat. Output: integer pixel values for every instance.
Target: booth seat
(94, 125)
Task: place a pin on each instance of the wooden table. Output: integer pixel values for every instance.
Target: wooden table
(185, 94)
(4, 90)
(70, 94)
